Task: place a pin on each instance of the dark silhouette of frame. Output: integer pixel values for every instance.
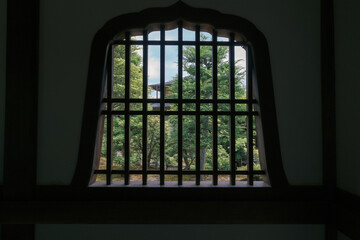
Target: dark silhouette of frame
(96, 83)
(24, 202)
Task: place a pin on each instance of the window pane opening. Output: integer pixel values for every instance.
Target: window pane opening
(188, 35)
(189, 72)
(189, 143)
(171, 144)
(154, 72)
(206, 69)
(171, 35)
(240, 73)
(222, 39)
(119, 71)
(205, 36)
(118, 142)
(136, 78)
(171, 72)
(154, 36)
(223, 76)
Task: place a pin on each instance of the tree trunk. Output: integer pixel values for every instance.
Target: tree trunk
(187, 164)
(204, 149)
(149, 157)
(202, 161)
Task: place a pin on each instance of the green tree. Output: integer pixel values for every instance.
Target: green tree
(136, 83)
(206, 88)
(189, 122)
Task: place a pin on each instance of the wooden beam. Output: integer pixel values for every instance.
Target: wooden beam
(18, 232)
(347, 213)
(328, 110)
(328, 94)
(21, 93)
(164, 212)
(64, 204)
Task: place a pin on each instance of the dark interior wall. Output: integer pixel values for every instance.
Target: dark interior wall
(291, 27)
(66, 30)
(180, 232)
(2, 81)
(347, 52)
(341, 236)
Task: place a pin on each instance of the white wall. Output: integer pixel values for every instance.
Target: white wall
(180, 232)
(291, 27)
(2, 81)
(347, 52)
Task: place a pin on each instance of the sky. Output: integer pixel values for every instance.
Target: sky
(171, 54)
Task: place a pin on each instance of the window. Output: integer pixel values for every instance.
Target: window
(182, 102)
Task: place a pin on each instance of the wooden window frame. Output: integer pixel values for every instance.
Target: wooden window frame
(96, 83)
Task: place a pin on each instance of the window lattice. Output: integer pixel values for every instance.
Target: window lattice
(197, 125)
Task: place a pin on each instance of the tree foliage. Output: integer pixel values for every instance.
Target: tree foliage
(171, 123)
(206, 92)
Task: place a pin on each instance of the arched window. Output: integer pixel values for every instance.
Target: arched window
(179, 96)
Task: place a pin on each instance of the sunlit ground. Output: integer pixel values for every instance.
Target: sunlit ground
(152, 177)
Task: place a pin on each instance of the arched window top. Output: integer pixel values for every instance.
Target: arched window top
(259, 103)
(207, 19)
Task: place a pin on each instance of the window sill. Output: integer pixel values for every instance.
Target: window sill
(174, 184)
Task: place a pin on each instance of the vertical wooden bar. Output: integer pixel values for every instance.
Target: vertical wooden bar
(109, 121)
(162, 105)
(328, 111)
(127, 106)
(180, 116)
(20, 153)
(197, 79)
(145, 95)
(232, 109)
(22, 71)
(328, 94)
(215, 108)
(249, 84)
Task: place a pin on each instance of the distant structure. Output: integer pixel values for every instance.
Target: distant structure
(156, 87)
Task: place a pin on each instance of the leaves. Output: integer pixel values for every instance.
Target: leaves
(171, 123)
